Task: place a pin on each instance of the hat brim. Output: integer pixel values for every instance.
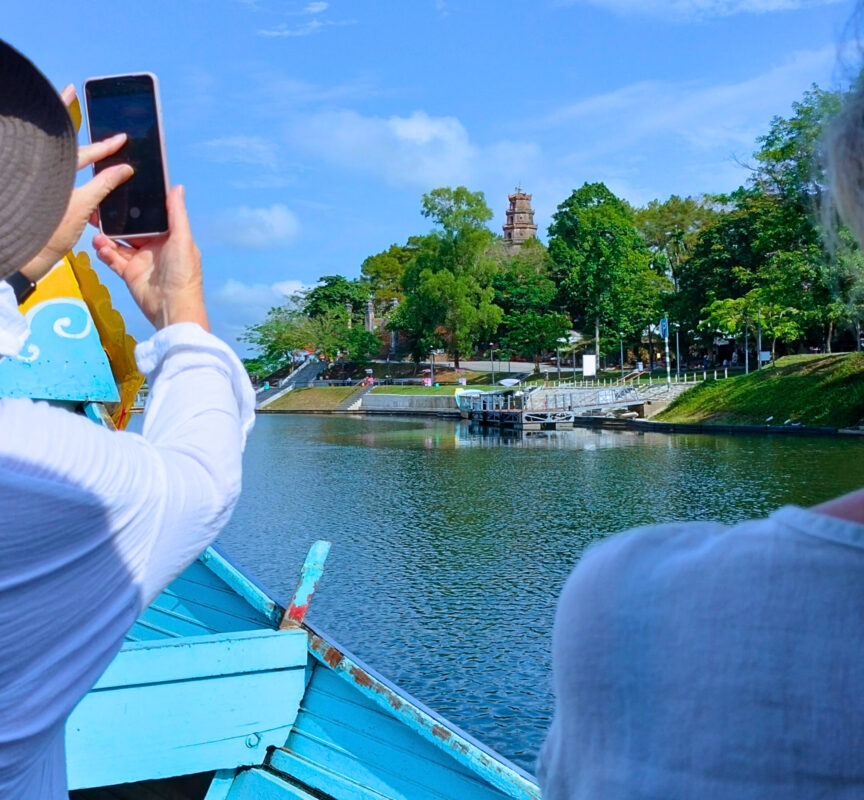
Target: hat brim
(38, 159)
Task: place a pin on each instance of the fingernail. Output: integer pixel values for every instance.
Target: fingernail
(129, 170)
(118, 137)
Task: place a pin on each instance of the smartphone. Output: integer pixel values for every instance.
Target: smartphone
(130, 104)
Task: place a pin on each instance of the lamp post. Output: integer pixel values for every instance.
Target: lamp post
(558, 358)
(758, 338)
(432, 367)
(492, 360)
(677, 353)
(560, 341)
(621, 344)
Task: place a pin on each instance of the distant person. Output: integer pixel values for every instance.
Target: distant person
(700, 661)
(96, 523)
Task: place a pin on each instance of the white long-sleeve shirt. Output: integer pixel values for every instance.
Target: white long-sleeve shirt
(94, 524)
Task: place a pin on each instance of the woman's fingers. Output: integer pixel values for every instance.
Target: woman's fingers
(178, 218)
(87, 197)
(101, 241)
(112, 258)
(91, 153)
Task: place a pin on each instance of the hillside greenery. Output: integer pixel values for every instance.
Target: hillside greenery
(821, 390)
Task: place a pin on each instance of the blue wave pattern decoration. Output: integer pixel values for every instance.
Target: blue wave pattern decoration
(62, 358)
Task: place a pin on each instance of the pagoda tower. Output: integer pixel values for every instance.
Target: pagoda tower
(520, 219)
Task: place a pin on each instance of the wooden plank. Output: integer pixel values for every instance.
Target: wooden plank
(217, 598)
(221, 566)
(141, 663)
(133, 733)
(347, 746)
(221, 784)
(173, 624)
(258, 784)
(429, 726)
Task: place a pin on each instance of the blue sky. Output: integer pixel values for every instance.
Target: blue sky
(306, 131)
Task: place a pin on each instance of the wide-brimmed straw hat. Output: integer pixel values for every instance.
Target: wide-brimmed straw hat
(38, 155)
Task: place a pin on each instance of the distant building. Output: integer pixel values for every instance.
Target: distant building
(520, 219)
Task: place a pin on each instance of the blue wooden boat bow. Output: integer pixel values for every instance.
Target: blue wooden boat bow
(214, 683)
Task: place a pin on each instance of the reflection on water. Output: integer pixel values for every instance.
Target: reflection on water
(450, 547)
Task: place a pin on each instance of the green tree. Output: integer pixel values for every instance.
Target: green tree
(602, 262)
(336, 292)
(383, 272)
(530, 333)
(671, 228)
(277, 337)
(531, 324)
(449, 300)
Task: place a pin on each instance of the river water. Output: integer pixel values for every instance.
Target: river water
(450, 548)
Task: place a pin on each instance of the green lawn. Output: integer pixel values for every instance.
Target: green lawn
(323, 398)
(813, 390)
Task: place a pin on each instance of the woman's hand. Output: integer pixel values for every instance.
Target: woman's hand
(83, 202)
(163, 274)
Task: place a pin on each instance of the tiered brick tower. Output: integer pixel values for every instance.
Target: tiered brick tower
(520, 219)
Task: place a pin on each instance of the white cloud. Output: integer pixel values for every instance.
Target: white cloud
(689, 10)
(305, 29)
(417, 150)
(237, 293)
(258, 228)
(236, 305)
(240, 150)
(316, 8)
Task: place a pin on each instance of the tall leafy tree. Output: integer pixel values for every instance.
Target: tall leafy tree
(383, 272)
(602, 262)
(524, 290)
(335, 292)
(449, 299)
(671, 228)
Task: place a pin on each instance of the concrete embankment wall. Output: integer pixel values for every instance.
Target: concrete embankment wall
(375, 403)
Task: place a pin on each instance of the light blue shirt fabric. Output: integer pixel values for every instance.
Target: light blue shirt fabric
(704, 661)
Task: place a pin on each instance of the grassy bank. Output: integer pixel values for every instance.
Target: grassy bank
(323, 398)
(813, 390)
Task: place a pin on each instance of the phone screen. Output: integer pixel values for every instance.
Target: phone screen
(127, 104)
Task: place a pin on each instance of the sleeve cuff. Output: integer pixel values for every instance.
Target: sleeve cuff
(188, 336)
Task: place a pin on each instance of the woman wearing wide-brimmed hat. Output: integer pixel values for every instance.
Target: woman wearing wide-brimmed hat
(94, 524)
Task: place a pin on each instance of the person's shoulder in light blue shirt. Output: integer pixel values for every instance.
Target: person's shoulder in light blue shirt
(696, 660)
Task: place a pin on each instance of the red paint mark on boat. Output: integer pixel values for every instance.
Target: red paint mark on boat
(362, 678)
(440, 732)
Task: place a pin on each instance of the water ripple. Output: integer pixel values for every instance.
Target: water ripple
(450, 548)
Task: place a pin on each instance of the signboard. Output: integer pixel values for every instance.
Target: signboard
(589, 366)
(765, 355)
(664, 328)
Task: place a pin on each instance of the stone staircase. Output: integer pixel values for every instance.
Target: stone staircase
(302, 377)
(354, 401)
